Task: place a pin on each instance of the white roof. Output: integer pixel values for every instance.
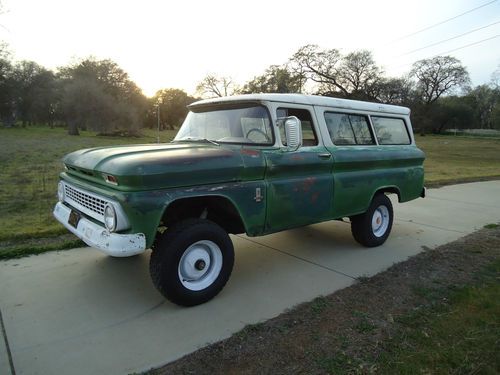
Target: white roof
(315, 100)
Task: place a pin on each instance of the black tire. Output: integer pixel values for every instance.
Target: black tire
(362, 228)
(168, 250)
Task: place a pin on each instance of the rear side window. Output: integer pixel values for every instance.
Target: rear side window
(391, 131)
(348, 129)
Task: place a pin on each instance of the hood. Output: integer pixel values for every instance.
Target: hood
(157, 166)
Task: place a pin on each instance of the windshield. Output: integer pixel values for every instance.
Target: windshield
(245, 125)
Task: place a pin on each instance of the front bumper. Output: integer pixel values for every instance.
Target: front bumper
(114, 244)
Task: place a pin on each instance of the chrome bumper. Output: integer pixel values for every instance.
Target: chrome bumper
(114, 244)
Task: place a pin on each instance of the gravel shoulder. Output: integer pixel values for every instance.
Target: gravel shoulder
(350, 329)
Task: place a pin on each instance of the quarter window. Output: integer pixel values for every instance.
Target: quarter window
(348, 129)
(391, 131)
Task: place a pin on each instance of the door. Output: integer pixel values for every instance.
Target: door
(300, 183)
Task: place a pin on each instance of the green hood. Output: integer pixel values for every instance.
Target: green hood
(148, 167)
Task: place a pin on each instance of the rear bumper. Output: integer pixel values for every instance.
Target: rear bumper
(114, 244)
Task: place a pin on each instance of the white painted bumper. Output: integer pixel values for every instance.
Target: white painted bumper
(114, 244)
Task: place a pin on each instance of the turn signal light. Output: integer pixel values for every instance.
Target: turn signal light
(110, 179)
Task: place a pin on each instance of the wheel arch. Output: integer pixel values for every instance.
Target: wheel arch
(391, 189)
(218, 208)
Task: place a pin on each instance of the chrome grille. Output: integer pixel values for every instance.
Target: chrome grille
(86, 202)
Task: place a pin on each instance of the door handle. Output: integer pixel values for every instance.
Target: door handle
(325, 155)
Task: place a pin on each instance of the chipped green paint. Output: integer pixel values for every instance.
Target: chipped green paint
(168, 173)
(300, 186)
(359, 174)
(153, 167)
(271, 189)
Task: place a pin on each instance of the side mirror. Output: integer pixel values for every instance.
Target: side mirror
(293, 133)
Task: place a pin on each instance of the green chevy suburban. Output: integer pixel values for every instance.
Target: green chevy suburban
(253, 164)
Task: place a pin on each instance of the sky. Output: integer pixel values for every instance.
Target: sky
(175, 44)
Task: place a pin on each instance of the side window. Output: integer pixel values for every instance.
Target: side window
(361, 130)
(348, 129)
(391, 131)
(308, 134)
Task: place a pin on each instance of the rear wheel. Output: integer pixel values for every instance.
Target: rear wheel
(192, 261)
(374, 226)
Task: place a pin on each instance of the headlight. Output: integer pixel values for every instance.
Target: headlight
(60, 191)
(110, 217)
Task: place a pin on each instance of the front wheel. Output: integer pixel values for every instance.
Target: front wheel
(192, 261)
(374, 226)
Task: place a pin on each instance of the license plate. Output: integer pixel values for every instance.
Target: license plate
(74, 218)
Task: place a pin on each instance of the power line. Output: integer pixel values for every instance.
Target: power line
(447, 40)
(452, 50)
(442, 22)
(468, 45)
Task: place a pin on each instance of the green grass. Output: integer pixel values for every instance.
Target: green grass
(19, 251)
(452, 159)
(461, 337)
(492, 226)
(30, 160)
(458, 332)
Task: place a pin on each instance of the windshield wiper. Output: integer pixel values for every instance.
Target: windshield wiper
(196, 139)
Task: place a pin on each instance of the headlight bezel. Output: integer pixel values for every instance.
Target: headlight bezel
(110, 217)
(61, 194)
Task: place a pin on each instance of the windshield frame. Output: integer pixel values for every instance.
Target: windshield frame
(223, 106)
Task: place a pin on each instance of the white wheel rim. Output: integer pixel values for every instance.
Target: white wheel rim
(380, 221)
(200, 265)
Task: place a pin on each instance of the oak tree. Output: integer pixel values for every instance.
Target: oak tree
(277, 79)
(438, 76)
(214, 86)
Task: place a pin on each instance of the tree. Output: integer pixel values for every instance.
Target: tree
(7, 115)
(173, 108)
(438, 76)
(114, 80)
(35, 94)
(278, 79)
(495, 116)
(87, 106)
(109, 100)
(452, 112)
(213, 86)
(321, 67)
(360, 74)
(398, 91)
(354, 75)
(435, 78)
(485, 98)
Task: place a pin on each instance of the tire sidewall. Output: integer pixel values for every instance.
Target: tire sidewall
(170, 251)
(379, 200)
(361, 225)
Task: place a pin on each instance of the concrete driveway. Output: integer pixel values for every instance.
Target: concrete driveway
(80, 312)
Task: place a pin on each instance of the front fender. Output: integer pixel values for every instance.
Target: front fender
(145, 210)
